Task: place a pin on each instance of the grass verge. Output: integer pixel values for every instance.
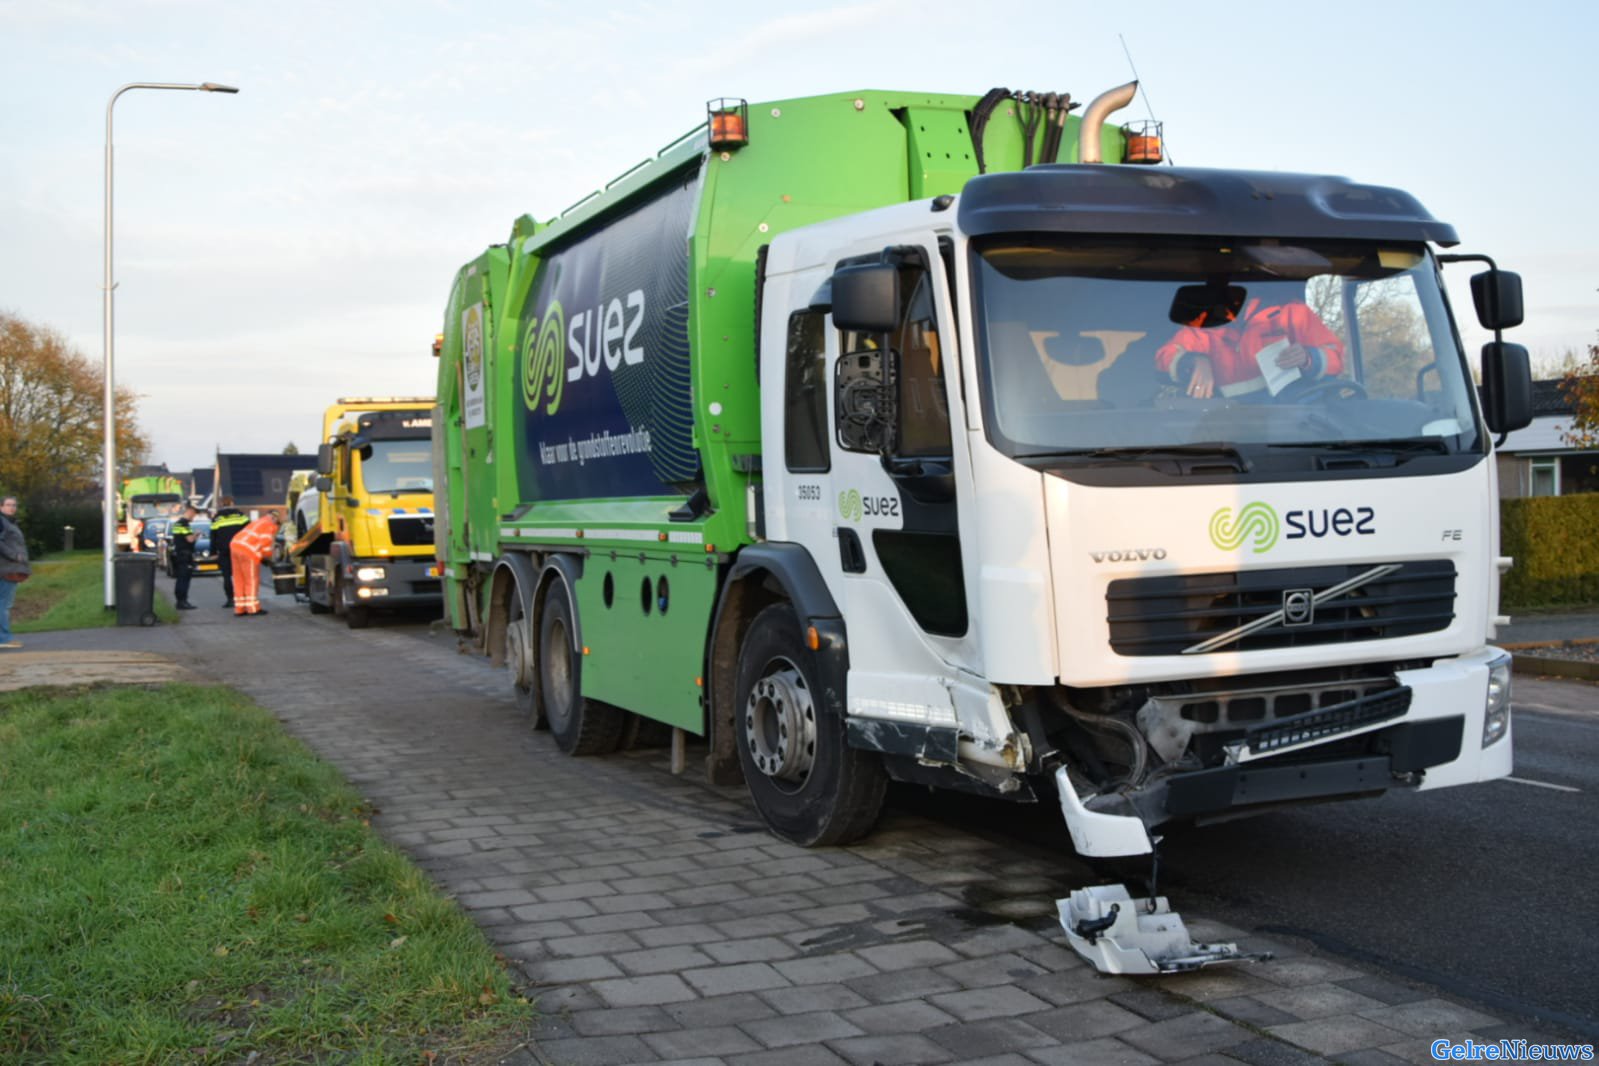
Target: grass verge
(180, 881)
(67, 591)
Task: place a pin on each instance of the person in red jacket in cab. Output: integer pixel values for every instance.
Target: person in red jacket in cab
(1252, 345)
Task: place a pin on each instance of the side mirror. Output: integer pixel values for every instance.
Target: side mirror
(866, 297)
(324, 459)
(324, 484)
(1497, 294)
(1506, 384)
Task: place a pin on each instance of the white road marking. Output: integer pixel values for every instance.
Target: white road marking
(1543, 784)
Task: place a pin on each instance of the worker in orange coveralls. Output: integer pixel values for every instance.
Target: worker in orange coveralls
(1220, 356)
(250, 547)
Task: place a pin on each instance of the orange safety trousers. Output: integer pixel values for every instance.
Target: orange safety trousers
(249, 547)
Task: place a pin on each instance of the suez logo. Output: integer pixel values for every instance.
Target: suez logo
(853, 506)
(604, 335)
(1257, 525)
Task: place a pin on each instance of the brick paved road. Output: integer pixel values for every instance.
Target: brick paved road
(660, 923)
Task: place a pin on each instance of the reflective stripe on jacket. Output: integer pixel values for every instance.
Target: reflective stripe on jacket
(256, 538)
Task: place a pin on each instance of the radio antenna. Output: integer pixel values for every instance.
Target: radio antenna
(1142, 88)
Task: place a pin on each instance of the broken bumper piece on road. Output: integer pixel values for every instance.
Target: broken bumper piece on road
(1123, 935)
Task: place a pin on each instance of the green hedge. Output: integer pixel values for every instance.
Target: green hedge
(41, 524)
(1555, 542)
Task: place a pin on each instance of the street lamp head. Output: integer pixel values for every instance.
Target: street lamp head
(213, 87)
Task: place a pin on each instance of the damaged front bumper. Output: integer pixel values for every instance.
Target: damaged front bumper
(1440, 725)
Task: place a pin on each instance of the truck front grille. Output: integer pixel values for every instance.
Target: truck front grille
(1169, 615)
(411, 530)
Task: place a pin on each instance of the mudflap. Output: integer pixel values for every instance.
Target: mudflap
(1123, 935)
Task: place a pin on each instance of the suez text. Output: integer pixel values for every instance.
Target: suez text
(1341, 522)
(605, 334)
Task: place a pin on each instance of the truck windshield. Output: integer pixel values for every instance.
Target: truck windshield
(1105, 347)
(167, 507)
(397, 466)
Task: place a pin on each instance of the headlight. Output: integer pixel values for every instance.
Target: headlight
(369, 573)
(1496, 716)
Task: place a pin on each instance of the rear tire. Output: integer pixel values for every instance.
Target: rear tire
(521, 666)
(580, 726)
(810, 786)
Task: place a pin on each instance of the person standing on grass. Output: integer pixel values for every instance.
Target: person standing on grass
(14, 568)
(252, 546)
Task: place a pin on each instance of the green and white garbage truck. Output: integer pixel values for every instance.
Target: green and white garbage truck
(865, 437)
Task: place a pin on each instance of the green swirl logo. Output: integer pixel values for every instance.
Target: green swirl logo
(1255, 522)
(543, 361)
(849, 505)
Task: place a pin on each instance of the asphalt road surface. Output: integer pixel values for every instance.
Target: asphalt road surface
(1487, 892)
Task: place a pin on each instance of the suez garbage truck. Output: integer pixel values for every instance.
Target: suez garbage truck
(362, 535)
(839, 436)
(145, 497)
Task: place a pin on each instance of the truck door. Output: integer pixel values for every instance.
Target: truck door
(871, 488)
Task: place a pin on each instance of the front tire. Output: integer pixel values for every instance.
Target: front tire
(810, 786)
(580, 726)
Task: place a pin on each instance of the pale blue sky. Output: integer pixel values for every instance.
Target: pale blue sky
(296, 242)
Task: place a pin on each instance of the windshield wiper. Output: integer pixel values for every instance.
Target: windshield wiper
(1408, 445)
(1188, 456)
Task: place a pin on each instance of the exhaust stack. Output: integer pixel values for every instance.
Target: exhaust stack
(1110, 100)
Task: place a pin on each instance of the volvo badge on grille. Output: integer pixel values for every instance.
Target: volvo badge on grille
(1299, 607)
(1293, 603)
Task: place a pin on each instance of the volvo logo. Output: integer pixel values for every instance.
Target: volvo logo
(1299, 607)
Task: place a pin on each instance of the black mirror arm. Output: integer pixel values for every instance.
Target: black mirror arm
(1475, 258)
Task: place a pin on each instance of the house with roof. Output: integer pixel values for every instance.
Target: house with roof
(256, 481)
(202, 483)
(1536, 461)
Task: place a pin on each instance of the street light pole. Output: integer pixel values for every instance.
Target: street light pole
(109, 520)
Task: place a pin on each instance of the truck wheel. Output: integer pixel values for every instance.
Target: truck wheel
(357, 617)
(520, 663)
(811, 787)
(313, 567)
(580, 726)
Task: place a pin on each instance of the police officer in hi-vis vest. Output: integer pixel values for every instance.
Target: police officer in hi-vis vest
(228, 521)
(183, 535)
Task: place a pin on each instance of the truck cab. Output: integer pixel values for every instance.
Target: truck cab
(1057, 561)
(363, 531)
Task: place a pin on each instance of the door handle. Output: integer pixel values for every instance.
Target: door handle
(851, 556)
